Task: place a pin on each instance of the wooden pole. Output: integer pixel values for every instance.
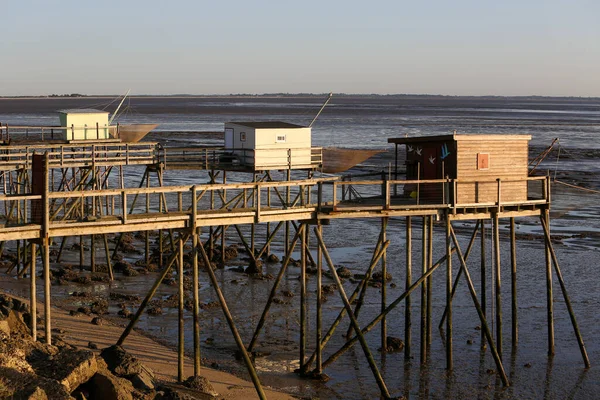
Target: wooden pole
(196, 306)
(485, 328)
(483, 273)
(236, 335)
(46, 245)
(381, 247)
(380, 382)
(563, 288)
(148, 297)
(549, 294)
(429, 281)
(180, 347)
(302, 298)
(384, 224)
(33, 293)
(265, 312)
(449, 360)
(513, 284)
(498, 283)
(318, 350)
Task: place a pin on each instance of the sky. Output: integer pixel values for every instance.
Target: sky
(483, 47)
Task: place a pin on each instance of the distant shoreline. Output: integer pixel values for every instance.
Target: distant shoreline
(294, 95)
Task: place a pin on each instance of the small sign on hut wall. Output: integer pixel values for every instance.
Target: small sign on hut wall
(483, 160)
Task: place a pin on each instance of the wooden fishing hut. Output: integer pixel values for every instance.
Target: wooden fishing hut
(84, 124)
(473, 161)
(267, 145)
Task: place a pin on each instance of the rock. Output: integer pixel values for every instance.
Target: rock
(105, 385)
(288, 293)
(84, 310)
(4, 327)
(97, 321)
(154, 311)
(378, 276)
(121, 363)
(92, 345)
(142, 381)
(255, 267)
(19, 385)
(70, 368)
(394, 344)
(272, 258)
(200, 384)
(99, 307)
(344, 272)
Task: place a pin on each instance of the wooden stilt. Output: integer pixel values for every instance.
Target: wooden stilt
(149, 296)
(303, 313)
(483, 273)
(380, 382)
(498, 284)
(389, 308)
(196, 305)
(381, 247)
(496, 355)
(429, 281)
(318, 347)
(549, 294)
(180, 341)
(563, 288)
(384, 224)
(33, 293)
(449, 359)
(513, 284)
(229, 318)
(265, 312)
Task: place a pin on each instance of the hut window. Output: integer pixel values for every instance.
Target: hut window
(483, 161)
(280, 139)
(242, 136)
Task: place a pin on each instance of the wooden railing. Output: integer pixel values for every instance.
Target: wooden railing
(70, 155)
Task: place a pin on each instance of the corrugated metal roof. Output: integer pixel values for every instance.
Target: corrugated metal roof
(82, 111)
(267, 124)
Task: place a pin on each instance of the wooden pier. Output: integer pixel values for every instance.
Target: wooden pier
(56, 192)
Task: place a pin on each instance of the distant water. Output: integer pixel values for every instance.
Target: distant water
(367, 122)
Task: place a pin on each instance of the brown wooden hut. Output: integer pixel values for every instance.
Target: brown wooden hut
(475, 161)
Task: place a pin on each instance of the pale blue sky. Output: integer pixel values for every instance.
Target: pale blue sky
(479, 47)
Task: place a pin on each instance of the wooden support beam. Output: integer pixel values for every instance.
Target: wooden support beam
(380, 382)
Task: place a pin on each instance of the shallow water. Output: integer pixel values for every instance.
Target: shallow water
(367, 123)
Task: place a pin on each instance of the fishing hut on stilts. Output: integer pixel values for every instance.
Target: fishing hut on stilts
(54, 191)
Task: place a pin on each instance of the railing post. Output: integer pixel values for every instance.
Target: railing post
(124, 206)
(257, 190)
(319, 195)
(454, 195)
(334, 201)
(127, 154)
(499, 193)
(194, 214)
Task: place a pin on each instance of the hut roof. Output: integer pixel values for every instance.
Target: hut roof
(457, 137)
(82, 111)
(267, 124)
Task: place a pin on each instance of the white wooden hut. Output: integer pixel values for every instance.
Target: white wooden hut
(84, 124)
(269, 145)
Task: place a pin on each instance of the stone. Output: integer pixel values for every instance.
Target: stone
(255, 267)
(97, 321)
(142, 381)
(272, 258)
(201, 384)
(105, 385)
(121, 363)
(344, 272)
(70, 368)
(394, 344)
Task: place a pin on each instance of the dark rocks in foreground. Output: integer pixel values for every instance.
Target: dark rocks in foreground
(35, 370)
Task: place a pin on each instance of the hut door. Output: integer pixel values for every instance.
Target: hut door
(431, 192)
